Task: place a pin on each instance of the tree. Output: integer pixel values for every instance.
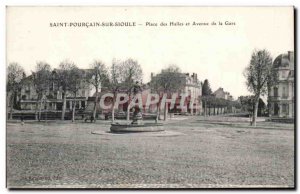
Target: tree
(131, 74)
(257, 74)
(206, 90)
(247, 104)
(65, 81)
(41, 81)
(76, 83)
(15, 73)
(115, 83)
(170, 80)
(206, 95)
(98, 77)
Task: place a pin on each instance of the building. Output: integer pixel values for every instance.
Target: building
(220, 93)
(85, 97)
(193, 90)
(281, 97)
(53, 99)
(226, 96)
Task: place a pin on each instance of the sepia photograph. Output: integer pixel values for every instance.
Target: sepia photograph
(150, 97)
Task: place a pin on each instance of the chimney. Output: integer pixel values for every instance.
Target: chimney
(291, 56)
(152, 75)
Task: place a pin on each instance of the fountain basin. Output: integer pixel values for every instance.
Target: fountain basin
(133, 128)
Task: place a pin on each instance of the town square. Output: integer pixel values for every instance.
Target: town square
(192, 152)
(137, 98)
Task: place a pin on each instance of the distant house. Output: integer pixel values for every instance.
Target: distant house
(193, 90)
(53, 100)
(281, 97)
(220, 93)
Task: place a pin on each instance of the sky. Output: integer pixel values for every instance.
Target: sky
(218, 53)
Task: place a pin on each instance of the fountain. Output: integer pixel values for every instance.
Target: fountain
(137, 124)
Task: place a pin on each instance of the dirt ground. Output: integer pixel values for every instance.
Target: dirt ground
(193, 152)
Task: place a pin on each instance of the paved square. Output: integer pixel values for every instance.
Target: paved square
(193, 152)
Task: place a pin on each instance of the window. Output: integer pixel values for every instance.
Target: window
(285, 108)
(284, 92)
(275, 91)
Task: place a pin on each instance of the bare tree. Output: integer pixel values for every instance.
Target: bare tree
(130, 74)
(65, 81)
(115, 83)
(15, 73)
(155, 85)
(168, 81)
(76, 84)
(98, 77)
(257, 75)
(41, 81)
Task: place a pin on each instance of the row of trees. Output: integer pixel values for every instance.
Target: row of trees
(122, 76)
(70, 79)
(168, 81)
(210, 101)
(260, 75)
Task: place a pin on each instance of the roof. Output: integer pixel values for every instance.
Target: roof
(284, 60)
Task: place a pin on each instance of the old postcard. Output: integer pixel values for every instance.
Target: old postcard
(150, 97)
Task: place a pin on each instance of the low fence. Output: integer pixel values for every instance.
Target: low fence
(79, 115)
(46, 115)
(282, 120)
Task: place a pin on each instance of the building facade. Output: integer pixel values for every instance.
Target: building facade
(281, 96)
(53, 99)
(220, 93)
(192, 90)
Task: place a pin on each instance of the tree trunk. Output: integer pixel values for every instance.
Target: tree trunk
(166, 112)
(113, 109)
(63, 112)
(36, 109)
(73, 110)
(95, 105)
(269, 102)
(205, 111)
(255, 112)
(11, 106)
(40, 109)
(158, 112)
(157, 115)
(11, 113)
(128, 108)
